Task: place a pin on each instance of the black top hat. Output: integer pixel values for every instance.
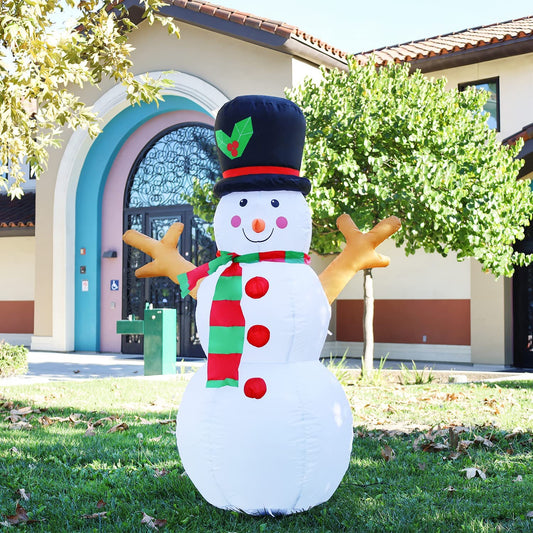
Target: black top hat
(260, 141)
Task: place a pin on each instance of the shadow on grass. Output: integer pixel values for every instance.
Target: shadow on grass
(518, 384)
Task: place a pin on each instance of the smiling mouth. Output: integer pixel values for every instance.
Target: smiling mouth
(261, 240)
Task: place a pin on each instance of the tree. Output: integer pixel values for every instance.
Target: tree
(383, 141)
(41, 66)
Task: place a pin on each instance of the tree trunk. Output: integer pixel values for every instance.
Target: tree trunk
(368, 323)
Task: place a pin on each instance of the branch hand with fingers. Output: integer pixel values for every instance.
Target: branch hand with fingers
(167, 261)
(360, 253)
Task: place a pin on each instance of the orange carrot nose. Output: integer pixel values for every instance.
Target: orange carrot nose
(258, 225)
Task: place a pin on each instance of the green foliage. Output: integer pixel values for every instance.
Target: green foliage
(386, 142)
(42, 66)
(203, 200)
(414, 376)
(13, 360)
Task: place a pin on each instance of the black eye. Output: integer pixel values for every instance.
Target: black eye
(243, 202)
(274, 203)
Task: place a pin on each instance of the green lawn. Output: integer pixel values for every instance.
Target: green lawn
(414, 449)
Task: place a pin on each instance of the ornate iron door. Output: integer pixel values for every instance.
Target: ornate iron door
(161, 292)
(159, 185)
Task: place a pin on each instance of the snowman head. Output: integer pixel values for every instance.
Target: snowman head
(263, 221)
(262, 206)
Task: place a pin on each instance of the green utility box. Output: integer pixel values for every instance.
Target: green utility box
(159, 330)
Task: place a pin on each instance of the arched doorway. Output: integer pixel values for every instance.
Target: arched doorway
(156, 195)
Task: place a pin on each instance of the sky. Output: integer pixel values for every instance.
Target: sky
(363, 25)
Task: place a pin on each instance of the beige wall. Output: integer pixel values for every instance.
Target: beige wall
(233, 67)
(487, 310)
(516, 79)
(491, 305)
(17, 268)
(420, 276)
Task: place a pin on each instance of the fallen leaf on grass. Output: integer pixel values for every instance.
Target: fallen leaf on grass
(103, 514)
(23, 411)
(160, 472)
(102, 421)
(388, 453)
(434, 447)
(75, 418)
(515, 433)
(463, 445)
(153, 523)
(167, 421)
(100, 504)
(483, 441)
(118, 427)
(155, 439)
(45, 420)
(14, 450)
(453, 456)
(20, 516)
(23, 495)
(22, 424)
(450, 490)
(472, 472)
(518, 478)
(90, 431)
(529, 515)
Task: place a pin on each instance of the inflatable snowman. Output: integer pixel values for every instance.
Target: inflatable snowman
(263, 427)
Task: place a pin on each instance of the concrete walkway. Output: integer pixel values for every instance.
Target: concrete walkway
(54, 366)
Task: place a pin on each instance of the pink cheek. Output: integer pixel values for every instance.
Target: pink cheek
(281, 222)
(236, 221)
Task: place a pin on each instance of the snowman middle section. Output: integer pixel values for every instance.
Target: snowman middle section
(290, 307)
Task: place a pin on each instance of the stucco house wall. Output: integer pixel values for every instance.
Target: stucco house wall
(17, 290)
(202, 60)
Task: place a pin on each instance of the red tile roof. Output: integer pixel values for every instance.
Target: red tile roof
(17, 213)
(451, 43)
(286, 31)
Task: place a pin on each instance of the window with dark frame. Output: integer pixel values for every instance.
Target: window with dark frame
(492, 107)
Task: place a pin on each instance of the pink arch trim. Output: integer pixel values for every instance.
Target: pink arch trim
(112, 213)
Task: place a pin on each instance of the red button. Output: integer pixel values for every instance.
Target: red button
(255, 388)
(256, 287)
(258, 336)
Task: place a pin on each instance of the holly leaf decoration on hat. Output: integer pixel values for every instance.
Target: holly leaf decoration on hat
(233, 146)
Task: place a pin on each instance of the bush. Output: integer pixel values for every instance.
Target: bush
(13, 359)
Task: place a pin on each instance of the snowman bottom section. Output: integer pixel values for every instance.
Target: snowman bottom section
(283, 453)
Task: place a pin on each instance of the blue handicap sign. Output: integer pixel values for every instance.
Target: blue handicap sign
(114, 285)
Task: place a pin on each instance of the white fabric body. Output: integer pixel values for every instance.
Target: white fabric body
(287, 451)
(283, 453)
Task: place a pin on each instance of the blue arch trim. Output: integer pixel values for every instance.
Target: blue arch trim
(89, 195)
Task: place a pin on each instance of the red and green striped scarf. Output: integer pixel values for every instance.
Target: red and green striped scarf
(226, 320)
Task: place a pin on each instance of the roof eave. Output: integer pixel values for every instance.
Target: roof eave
(17, 231)
(478, 54)
(291, 45)
(304, 50)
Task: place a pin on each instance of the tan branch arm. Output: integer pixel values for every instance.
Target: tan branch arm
(167, 261)
(359, 253)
